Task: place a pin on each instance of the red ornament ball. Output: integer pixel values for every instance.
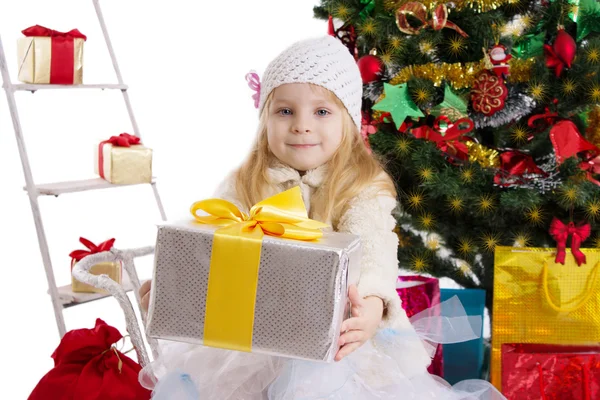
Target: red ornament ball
(370, 68)
(565, 47)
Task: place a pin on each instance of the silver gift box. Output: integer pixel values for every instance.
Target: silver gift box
(301, 297)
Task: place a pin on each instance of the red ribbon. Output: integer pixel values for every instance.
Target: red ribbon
(586, 382)
(123, 140)
(38, 30)
(561, 232)
(79, 255)
(62, 60)
(386, 118)
(542, 121)
(449, 142)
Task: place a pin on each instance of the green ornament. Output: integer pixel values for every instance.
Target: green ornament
(583, 117)
(453, 106)
(397, 102)
(369, 5)
(529, 46)
(574, 11)
(589, 18)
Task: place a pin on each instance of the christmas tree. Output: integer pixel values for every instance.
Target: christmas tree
(486, 115)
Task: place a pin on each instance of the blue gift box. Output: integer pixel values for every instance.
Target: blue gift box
(465, 360)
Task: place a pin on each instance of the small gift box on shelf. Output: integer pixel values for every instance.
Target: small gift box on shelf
(552, 372)
(48, 56)
(123, 160)
(268, 282)
(418, 293)
(113, 269)
(465, 360)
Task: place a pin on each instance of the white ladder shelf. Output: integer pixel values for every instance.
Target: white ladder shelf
(63, 297)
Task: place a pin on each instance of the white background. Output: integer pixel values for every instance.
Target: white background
(185, 63)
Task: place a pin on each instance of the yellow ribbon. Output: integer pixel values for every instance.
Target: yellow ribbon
(235, 260)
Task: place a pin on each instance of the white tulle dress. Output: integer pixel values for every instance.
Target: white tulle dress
(386, 367)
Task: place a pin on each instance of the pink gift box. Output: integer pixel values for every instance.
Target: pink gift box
(418, 293)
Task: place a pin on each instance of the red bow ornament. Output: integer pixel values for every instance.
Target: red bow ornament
(79, 255)
(448, 141)
(561, 232)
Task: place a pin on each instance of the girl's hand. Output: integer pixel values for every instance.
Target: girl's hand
(145, 294)
(362, 326)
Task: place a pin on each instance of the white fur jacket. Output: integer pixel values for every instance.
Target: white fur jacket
(370, 217)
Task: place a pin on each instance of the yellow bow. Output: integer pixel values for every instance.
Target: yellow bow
(235, 260)
(282, 215)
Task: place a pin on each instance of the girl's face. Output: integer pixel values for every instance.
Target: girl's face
(304, 126)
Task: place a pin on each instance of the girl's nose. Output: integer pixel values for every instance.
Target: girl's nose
(301, 125)
(298, 129)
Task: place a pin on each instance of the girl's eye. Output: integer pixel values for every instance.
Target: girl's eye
(322, 112)
(285, 111)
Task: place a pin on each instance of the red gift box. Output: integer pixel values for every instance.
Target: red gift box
(419, 293)
(550, 372)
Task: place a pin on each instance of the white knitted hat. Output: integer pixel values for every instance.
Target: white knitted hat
(322, 61)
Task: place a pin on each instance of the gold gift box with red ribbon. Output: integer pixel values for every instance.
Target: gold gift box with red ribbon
(268, 282)
(50, 57)
(113, 269)
(123, 160)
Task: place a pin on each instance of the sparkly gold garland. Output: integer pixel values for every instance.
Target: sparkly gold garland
(461, 75)
(593, 130)
(486, 157)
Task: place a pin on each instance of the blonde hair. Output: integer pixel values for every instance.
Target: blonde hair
(351, 170)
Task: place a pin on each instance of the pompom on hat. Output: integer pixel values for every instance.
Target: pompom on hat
(322, 61)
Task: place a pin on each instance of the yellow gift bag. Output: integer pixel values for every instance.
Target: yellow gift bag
(539, 301)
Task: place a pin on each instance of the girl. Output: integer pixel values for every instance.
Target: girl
(309, 136)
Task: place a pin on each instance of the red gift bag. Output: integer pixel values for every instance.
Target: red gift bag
(550, 372)
(418, 293)
(88, 367)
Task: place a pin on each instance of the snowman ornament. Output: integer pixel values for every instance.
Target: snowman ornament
(499, 59)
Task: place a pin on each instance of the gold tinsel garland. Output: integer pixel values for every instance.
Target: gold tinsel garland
(461, 75)
(486, 157)
(477, 5)
(592, 132)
